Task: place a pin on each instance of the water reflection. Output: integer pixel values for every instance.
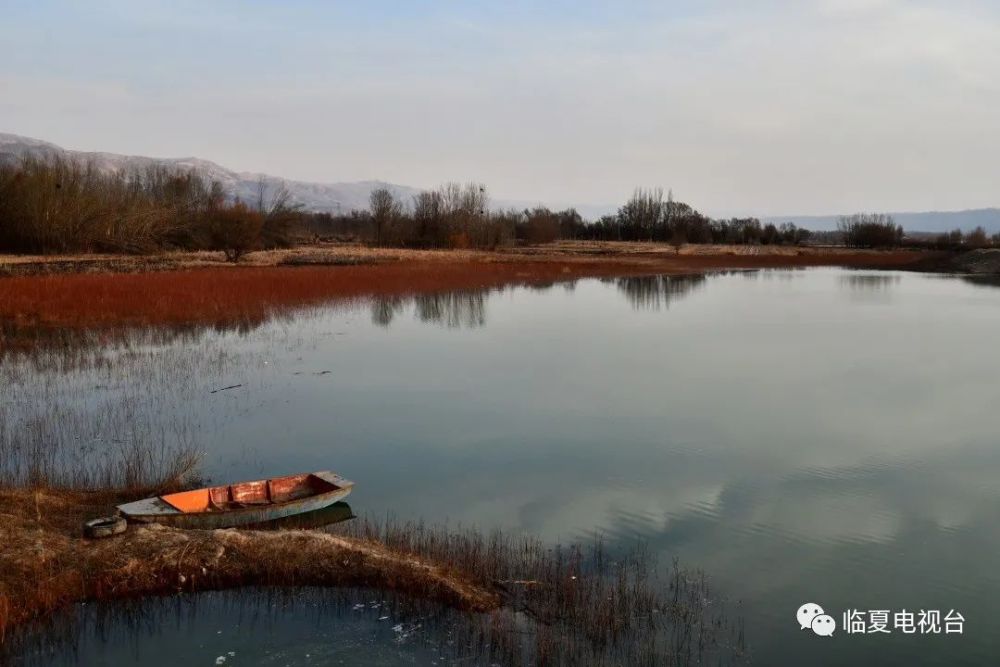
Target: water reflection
(321, 518)
(466, 309)
(982, 281)
(385, 308)
(869, 282)
(657, 292)
(453, 309)
(457, 309)
(303, 626)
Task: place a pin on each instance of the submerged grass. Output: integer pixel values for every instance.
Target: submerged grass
(103, 418)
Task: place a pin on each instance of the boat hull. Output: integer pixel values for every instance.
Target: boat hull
(156, 510)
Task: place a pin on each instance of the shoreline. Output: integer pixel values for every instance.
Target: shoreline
(81, 293)
(660, 257)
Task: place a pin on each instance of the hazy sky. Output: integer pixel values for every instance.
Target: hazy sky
(763, 107)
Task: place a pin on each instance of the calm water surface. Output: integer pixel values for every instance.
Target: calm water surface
(804, 436)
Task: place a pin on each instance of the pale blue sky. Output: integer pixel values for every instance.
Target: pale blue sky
(765, 107)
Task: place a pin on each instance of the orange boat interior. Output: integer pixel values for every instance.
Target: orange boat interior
(249, 494)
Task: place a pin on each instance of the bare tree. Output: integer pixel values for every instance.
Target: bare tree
(870, 230)
(977, 238)
(384, 210)
(279, 214)
(465, 209)
(428, 217)
(642, 215)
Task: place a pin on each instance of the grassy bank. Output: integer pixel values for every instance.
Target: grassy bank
(46, 564)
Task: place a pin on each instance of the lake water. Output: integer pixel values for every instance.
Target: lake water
(819, 436)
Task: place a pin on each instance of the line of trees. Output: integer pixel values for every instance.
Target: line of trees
(67, 206)
(647, 216)
(453, 216)
(458, 216)
(974, 240)
(870, 230)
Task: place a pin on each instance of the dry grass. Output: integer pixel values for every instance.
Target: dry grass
(45, 564)
(344, 253)
(589, 605)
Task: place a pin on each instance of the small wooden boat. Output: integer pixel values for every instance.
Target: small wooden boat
(241, 503)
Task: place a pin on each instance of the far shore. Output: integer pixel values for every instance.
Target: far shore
(50, 293)
(579, 257)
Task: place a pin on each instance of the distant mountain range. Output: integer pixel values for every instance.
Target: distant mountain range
(344, 197)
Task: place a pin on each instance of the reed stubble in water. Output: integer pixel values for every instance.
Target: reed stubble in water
(576, 604)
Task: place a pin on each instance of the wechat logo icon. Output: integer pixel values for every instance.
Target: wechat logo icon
(812, 617)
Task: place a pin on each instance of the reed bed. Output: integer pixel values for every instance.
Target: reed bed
(122, 415)
(576, 604)
(222, 296)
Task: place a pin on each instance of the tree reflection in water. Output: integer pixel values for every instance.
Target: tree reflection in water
(657, 292)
